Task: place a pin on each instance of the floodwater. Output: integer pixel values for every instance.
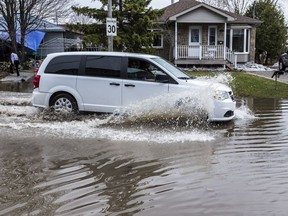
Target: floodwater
(145, 164)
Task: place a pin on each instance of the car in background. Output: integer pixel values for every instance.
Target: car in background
(283, 61)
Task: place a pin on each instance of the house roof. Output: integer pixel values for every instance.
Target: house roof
(49, 27)
(182, 7)
(42, 25)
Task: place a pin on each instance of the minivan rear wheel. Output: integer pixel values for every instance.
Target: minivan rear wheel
(64, 103)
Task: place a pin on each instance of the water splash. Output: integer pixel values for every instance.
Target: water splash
(224, 78)
(184, 110)
(168, 118)
(243, 112)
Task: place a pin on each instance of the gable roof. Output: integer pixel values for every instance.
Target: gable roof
(182, 7)
(41, 25)
(46, 26)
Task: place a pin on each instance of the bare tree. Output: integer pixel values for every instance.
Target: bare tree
(25, 16)
(8, 20)
(33, 12)
(235, 6)
(240, 6)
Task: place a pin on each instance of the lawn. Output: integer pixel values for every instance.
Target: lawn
(247, 85)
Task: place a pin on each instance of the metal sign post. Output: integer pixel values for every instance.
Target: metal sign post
(109, 26)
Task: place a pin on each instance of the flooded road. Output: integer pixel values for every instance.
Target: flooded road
(106, 165)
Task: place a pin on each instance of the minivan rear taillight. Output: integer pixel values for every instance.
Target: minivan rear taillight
(36, 81)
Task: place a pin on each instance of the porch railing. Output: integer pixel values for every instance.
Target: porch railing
(200, 52)
(207, 52)
(230, 56)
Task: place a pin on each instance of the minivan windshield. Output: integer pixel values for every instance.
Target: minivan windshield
(171, 68)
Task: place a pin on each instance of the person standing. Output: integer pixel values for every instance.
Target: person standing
(14, 62)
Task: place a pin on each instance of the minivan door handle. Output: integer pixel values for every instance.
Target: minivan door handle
(129, 85)
(115, 84)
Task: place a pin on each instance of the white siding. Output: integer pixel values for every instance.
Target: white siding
(51, 48)
(201, 15)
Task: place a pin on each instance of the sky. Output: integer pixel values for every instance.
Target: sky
(154, 3)
(163, 3)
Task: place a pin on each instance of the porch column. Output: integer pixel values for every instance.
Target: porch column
(225, 39)
(245, 40)
(176, 39)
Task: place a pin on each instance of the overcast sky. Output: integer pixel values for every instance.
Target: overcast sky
(154, 3)
(164, 3)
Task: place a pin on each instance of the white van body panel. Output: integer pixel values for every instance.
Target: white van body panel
(100, 94)
(135, 91)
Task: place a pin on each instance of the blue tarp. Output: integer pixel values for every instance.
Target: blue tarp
(32, 39)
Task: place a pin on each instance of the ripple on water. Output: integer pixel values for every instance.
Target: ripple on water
(106, 165)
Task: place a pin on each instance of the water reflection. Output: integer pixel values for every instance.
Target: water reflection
(114, 180)
(21, 169)
(243, 170)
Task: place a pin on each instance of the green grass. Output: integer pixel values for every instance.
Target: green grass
(247, 85)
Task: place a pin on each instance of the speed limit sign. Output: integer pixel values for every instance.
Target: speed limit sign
(111, 27)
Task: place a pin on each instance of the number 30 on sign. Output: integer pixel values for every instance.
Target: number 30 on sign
(111, 27)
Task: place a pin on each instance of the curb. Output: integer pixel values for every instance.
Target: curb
(285, 81)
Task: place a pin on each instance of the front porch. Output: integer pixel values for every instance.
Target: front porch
(207, 55)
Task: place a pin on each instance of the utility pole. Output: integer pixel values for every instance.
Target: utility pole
(254, 10)
(110, 38)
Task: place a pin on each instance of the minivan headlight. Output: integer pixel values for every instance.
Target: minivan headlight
(221, 95)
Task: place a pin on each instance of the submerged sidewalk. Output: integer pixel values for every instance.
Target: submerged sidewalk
(24, 75)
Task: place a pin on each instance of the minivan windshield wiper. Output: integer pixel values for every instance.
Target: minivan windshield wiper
(184, 78)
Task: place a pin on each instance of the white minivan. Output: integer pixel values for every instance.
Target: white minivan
(107, 81)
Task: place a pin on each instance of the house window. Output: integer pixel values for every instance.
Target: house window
(194, 36)
(238, 40)
(158, 39)
(212, 35)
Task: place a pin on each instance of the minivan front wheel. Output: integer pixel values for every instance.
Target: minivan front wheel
(64, 103)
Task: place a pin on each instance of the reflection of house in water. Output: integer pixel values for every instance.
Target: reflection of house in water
(268, 103)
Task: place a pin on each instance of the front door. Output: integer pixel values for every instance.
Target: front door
(195, 41)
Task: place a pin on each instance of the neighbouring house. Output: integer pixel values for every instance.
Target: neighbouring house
(58, 39)
(46, 38)
(195, 33)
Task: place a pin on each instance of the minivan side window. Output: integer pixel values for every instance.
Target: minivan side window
(139, 69)
(68, 65)
(103, 66)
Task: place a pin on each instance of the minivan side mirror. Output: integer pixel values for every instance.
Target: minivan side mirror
(163, 78)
